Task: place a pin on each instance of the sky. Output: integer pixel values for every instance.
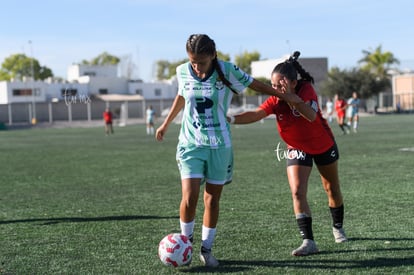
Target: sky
(59, 33)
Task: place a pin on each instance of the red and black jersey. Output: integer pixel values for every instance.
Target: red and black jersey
(340, 106)
(107, 117)
(311, 137)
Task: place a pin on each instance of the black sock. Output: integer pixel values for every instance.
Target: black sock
(342, 127)
(205, 250)
(337, 216)
(305, 227)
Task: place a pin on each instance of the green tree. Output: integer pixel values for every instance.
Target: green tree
(368, 80)
(378, 62)
(103, 59)
(345, 82)
(223, 56)
(244, 60)
(166, 69)
(19, 65)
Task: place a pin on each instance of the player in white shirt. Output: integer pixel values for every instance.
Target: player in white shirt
(205, 89)
(149, 114)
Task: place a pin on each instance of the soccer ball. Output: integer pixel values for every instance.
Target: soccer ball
(175, 250)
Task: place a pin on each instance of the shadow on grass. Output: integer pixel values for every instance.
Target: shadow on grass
(314, 262)
(381, 239)
(229, 266)
(48, 221)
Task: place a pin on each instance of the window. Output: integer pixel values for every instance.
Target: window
(69, 92)
(138, 91)
(103, 91)
(22, 92)
(157, 92)
(89, 73)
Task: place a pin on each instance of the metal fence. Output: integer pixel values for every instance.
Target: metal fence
(89, 110)
(20, 113)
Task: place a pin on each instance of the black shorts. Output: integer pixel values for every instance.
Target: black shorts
(298, 157)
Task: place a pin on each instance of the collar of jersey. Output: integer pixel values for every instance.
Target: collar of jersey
(193, 74)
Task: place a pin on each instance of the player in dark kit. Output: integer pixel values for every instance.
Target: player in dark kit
(309, 139)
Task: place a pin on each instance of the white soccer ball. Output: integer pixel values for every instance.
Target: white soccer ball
(175, 250)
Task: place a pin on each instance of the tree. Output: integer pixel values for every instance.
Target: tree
(378, 62)
(347, 81)
(166, 69)
(244, 60)
(368, 80)
(103, 59)
(223, 56)
(19, 65)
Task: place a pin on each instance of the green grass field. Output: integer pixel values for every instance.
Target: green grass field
(74, 201)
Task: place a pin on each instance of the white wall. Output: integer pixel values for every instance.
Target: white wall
(4, 95)
(8, 87)
(167, 90)
(264, 68)
(114, 85)
(76, 71)
(54, 90)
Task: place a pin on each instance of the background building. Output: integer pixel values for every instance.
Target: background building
(403, 92)
(317, 67)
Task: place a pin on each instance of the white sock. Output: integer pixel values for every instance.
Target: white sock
(152, 131)
(207, 237)
(148, 131)
(187, 229)
(355, 124)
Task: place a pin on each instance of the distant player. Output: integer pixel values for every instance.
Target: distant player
(150, 113)
(329, 110)
(340, 108)
(354, 117)
(309, 140)
(107, 116)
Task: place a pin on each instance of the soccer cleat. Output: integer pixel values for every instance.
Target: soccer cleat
(207, 258)
(308, 247)
(339, 234)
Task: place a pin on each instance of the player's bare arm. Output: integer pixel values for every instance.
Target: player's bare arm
(249, 116)
(306, 111)
(177, 105)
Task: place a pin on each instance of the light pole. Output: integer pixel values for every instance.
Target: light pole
(34, 120)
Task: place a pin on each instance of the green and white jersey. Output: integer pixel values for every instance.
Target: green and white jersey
(207, 100)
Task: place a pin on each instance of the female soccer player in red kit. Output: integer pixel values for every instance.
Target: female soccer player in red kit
(309, 139)
(340, 108)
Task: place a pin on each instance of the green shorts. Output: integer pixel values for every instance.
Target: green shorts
(213, 165)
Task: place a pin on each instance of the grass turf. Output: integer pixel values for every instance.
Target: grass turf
(74, 201)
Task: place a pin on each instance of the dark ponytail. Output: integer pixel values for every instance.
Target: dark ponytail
(203, 44)
(291, 67)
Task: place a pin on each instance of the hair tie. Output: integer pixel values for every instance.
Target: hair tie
(294, 57)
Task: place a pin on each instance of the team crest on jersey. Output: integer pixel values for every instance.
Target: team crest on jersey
(295, 112)
(219, 85)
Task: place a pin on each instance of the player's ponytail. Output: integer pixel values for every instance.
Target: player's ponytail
(291, 67)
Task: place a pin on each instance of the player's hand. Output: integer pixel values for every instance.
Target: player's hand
(159, 134)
